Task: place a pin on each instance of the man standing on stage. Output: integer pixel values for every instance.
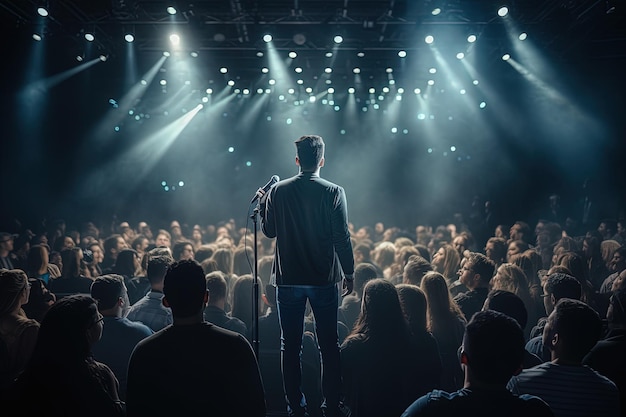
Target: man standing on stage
(308, 217)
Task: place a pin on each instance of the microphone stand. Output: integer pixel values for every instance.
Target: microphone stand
(255, 290)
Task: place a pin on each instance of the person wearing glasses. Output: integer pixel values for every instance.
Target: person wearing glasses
(62, 373)
(475, 274)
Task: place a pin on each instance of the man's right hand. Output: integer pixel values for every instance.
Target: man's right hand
(348, 286)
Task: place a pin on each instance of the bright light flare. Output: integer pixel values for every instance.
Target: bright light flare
(429, 39)
(338, 39)
(267, 38)
(129, 38)
(471, 38)
(89, 37)
(175, 39)
(503, 11)
(42, 11)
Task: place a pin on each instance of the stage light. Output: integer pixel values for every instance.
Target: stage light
(429, 39)
(299, 39)
(460, 55)
(260, 54)
(291, 91)
(471, 38)
(298, 70)
(360, 54)
(331, 90)
(436, 11)
(394, 130)
(503, 11)
(205, 99)
(338, 39)
(372, 90)
(260, 91)
(171, 10)
(181, 183)
(175, 39)
(89, 37)
(79, 58)
(475, 82)
(400, 90)
(482, 105)
(36, 37)
(351, 90)
(129, 37)
(462, 91)
(523, 36)
(231, 83)
(265, 70)
(506, 57)
(392, 81)
(312, 99)
(166, 54)
(223, 70)
(356, 70)
(194, 54)
(209, 91)
(432, 70)
(422, 116)
(328, 70)
(385, 90)
(103, 58)
(328, 55)
(268, 91)
(42, 11)
(402, 54)
(389, 70)
(431, 82)
(308, 90)
(272, 82)
(300, 82)
(453, 148)
(417, 91)
(292, 55)
(267, 38)
(163, 82)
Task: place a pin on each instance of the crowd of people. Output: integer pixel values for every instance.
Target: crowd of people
(95, 323)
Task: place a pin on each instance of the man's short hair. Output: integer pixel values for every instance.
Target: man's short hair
(363, 273)
(157, 267)
(494, 346)
(482, 266)
(110, 243)
(508, 303)
(563, 286)
(415, 269)
(216, 284)
(184, 288)
(204, 252)
(578, 326)
(179, 248)
(310, 151)
(107, 289)
(524, 228)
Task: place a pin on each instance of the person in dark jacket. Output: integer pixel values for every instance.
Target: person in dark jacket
(308, 216)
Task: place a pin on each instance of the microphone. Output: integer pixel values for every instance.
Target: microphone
(265, 188)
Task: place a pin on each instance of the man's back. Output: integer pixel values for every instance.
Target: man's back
(194, 370)
(569, 390)
(466, 402)
(150, 311)
(307, 215)
(119, 338)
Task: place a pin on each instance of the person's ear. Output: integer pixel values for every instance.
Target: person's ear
(554, 341)
(552, 299)
(297, 161)
(120, 301)
(165, 302)
(322, 162)
(206, 297)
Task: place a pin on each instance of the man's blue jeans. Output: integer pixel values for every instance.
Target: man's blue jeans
(291, 301)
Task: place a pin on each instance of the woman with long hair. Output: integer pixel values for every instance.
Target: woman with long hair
(381, 338)
(18, 333)
(62, 372)
(446, 322)
(38, 266)
(446, 261)
(71, 281)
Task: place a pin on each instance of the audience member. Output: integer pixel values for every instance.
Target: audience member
(475, 274)
(351, 304)
(150, 310)
(382, 339)
(113, 245)
(215, 311)
(415, 270)
(62, 374)
(607, 356)
(18, 333)
(492, 352)
(120, 335)
(169, 373)
(617, 265)
(447, 323)
(6, 250)
(71, 281)
(570, 388)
